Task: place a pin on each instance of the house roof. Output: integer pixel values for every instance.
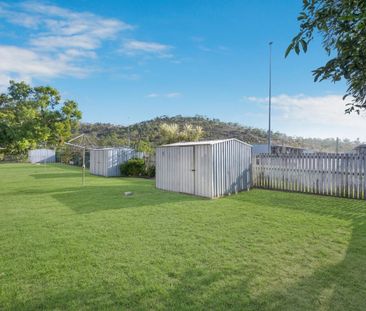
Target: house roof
(361, 146)
(277, 145)
(205, 142)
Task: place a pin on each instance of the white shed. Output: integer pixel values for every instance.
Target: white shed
(107, 161)
(42, 156)
(207, 168)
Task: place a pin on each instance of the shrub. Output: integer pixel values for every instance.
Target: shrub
(150, 171)
(133, 167)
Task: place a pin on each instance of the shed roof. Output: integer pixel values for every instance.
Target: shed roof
(205, 142)
(113, 148)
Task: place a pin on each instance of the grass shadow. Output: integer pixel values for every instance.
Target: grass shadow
(70, 298)
(90, 199)
(198, 290)
(340, 286)
(345, 209)
(56, 175)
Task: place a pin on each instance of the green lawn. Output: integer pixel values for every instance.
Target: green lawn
(64, 246)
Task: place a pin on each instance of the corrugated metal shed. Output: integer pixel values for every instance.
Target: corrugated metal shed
(208, 168)
(106, 161)
(42, 156)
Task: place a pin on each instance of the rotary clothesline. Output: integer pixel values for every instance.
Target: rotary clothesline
(81, 142)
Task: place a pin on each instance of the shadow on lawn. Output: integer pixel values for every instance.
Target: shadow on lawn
(71, 299)
(199, 290)
(337, 287)
(56, 175)
(341, 286)
(90, 199)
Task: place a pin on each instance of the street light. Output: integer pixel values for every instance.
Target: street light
(270, 98)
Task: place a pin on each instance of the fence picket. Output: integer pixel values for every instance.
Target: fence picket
(364, 176)
(342, 175)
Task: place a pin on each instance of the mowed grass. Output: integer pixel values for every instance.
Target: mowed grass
(68, 247)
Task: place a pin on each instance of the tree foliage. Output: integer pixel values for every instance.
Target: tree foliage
(144, 146)
(171, 132)
(342, 26)
(32, 116)
(212, 129)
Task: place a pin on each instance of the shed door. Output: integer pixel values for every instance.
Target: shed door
(202, 155)
(185, 169)
(192, 173)
(99, 162)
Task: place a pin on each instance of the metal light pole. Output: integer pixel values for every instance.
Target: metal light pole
(129, 134)
(270, 99)
(83, 172)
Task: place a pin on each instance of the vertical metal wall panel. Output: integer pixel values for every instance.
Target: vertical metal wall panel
(92, 163)
(105, 163)
(232, 164)
(159, 168)
(211, 169)
(42, 156)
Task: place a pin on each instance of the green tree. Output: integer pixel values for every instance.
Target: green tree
(172, 133)
(144, 146)
(342, 27)
(169, 132)
(113, 140)
(31, 116)
(191, 133)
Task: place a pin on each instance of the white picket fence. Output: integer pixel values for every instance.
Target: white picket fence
(342, 175)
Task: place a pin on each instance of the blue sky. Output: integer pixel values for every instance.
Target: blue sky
(128, 61)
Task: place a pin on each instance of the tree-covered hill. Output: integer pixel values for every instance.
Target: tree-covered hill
(113, 135)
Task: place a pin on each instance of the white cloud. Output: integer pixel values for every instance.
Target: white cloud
(19, 61)
(166, 95)
(152, 95)
(65, 28)
(134, 47)
(62, 41)
(59, 25)
(15, 16)
(56, 42)
(173, 95)
(318, 116)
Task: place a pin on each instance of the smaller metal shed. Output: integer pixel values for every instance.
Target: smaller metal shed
(106, 161)
(42, 156)
(207, 168)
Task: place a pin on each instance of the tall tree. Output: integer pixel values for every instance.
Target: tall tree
(31, 116)
(342, 27)
(171, 133)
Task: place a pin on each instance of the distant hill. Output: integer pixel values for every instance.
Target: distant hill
(113, 135)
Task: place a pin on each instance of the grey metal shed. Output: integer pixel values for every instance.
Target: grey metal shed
(42, 156)
(207, 168)
(106, 161)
